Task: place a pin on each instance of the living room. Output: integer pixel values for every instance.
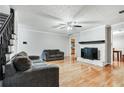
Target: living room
(64, 40)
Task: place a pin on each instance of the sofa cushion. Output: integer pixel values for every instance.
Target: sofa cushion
(51, 52)
(52, 55)
(22, 63)
(56, 51)
(58, 55)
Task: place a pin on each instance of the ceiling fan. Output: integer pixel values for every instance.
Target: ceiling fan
(73, 24)
(69, 25)
(120, 12)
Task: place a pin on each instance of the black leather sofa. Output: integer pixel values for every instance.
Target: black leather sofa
(51, 55)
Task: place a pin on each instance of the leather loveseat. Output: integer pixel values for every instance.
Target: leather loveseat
(51, 55)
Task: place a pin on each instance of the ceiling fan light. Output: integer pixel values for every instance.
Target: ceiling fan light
(69, 28)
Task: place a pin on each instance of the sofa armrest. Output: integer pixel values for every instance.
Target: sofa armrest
(61, 53)
(47, 76)
(45, 55)
(34, 57)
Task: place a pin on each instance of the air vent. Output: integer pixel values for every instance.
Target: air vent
(122, 11)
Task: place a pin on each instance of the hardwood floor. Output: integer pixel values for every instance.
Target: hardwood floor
(76, 74)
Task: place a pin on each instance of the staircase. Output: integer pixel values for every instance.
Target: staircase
(3, 18)
(6, 39)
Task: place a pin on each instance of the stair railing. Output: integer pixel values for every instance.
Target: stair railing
(6, 32)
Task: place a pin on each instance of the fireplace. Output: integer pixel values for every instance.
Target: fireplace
(89, 53)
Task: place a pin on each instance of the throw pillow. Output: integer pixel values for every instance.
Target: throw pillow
(22, 63)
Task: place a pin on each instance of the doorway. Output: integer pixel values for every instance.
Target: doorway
(73, 49)
(118, 48)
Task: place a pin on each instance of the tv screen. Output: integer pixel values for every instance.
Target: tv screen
(89, 53)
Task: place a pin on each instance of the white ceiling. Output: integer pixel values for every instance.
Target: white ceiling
(45, 17)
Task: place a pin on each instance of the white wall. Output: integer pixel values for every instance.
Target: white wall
(37, 41)
(118, 41)
(93, 34)
(5, 9)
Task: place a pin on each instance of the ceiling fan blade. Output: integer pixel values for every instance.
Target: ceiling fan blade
(59, 25)
(62, 27)
(62, 24)
(77, 25)
(89, 22)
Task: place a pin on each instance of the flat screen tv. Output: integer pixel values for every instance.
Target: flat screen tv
(89, 53)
